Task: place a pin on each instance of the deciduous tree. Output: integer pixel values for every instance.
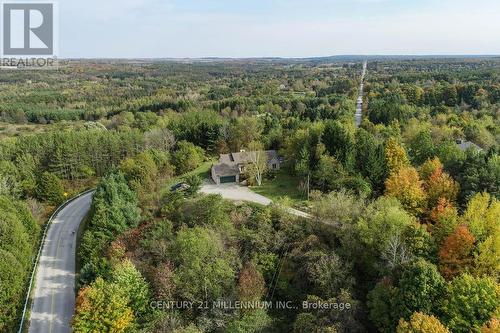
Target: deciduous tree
(406, 186)
(251, 284)
(469, 303)
(445, 219)
(482, 215)
(487, 257)
(131, 282)
(205, 270)
(455, 254)
(421, 323)
(381, 306)
(102, 307)
(439, 184)
(396, 156)
(493, 326)
(420, 288)
(257, 165)
(187, 157)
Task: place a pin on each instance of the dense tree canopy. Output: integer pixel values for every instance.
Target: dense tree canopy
(18, 245)
(404, 208)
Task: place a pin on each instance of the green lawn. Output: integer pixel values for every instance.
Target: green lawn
(203, 171)
(284, 185)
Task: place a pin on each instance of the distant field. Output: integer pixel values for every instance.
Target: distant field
(12, 130)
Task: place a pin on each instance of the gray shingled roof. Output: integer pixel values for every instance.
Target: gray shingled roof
(464, 145)
(226, 158)
(228, 163)
(244, 157)
(223, 169)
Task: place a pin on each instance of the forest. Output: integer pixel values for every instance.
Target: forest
(403, 227)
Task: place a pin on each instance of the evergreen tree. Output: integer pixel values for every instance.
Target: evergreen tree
(50, 189)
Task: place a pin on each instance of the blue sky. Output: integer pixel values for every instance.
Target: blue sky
(286, 28)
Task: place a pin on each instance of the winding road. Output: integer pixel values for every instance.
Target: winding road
(54, 290)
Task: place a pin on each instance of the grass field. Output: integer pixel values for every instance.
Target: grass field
(12, 130)
(284, 185)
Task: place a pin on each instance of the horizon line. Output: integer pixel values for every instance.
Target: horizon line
(471, 55)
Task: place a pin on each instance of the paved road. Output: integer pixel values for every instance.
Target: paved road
(359, 103)
(54, 293)
(242, 193)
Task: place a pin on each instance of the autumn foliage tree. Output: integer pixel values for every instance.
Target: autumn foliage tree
(130, 280)
(487, 258)
(455, 254)
(163, 281)
(102, 307)
(429, 167)
(421, 323)
(482, 215)
(439, 185)
(493, 326)
(251, 284)
(445, 219)
(396, 156)
(140, 172)
(406, 186)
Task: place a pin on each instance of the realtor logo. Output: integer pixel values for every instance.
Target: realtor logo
(28, 30)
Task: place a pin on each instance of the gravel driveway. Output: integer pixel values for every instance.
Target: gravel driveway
(234, 192)
(241, 193)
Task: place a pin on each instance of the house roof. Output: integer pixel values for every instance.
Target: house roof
(464, 145)
(244, 157)
(223, 169)
(229, 163)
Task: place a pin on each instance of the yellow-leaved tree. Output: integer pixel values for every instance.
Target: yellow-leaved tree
(482, 216)
(102, 307)
(421, 323)
(396, 156)
(483, 219)
(406, 186)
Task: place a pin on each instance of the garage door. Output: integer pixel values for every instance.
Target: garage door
(228, 179)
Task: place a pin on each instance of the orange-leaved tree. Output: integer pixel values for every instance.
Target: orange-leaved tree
(455, 254)
(438, 184)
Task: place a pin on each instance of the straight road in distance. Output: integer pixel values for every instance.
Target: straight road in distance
(359, 104)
